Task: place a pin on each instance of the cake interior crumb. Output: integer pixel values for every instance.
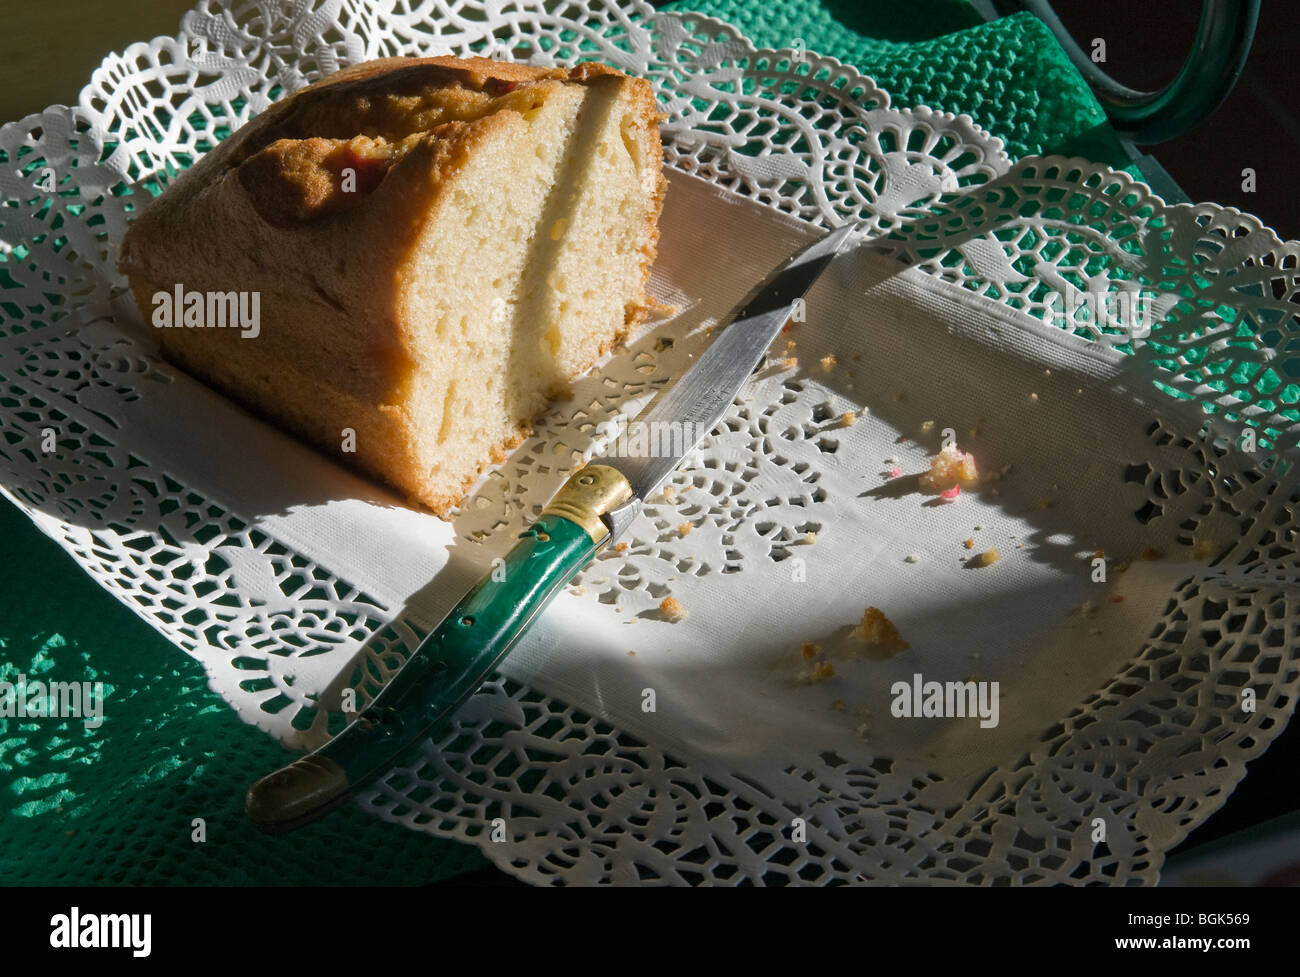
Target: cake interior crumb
(950, 468)
(879, 631)
(672, 609)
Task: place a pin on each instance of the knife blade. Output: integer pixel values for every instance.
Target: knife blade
(592, 509)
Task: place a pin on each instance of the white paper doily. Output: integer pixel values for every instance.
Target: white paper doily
(1150, 747)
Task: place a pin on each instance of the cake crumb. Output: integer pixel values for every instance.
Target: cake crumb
(950, 468)
(809, 650)
(828, 362)
(1034, 397)
(1203, 549)
(810, 539)
(685, 529)
(670, 493)
(790, 345)
(848, 418)
(968, 543)
(620, 547)
(927, 427)
(672, 610)
(822, 671)
(1151, 553)
(912, 558)
(631, 654)
(838, 705)
(879, 631)
(790, 362)
(988, 558)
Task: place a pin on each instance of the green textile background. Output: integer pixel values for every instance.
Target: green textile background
(114, 805)
(1010, 76)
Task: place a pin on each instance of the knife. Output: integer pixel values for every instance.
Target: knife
(591, 510)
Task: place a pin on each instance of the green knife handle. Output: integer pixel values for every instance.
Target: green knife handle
(452, 662)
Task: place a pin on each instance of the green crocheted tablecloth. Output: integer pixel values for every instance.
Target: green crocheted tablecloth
(116, 804)
(1010, 76)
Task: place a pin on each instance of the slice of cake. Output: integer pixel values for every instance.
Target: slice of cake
(431, 249)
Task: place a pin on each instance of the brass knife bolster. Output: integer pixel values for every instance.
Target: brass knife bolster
(589, 493)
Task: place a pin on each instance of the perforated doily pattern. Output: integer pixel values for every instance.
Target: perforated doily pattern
(1152, 751)
(1223, 316)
